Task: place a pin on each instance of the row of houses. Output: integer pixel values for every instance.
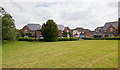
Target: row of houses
(110, 29)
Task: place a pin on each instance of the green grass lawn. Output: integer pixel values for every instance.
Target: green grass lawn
(64, 54)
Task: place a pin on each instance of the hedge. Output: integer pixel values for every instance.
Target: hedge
(67, 39)
(39, 39)
(106, 38)
(29, 39)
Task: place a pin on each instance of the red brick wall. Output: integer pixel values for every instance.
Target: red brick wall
(89, 34)
(25, 28)
(115, 31)
(38, 33)
(60, 33)
(67, 28)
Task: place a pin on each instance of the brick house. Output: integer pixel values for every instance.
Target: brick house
(81, 32)
(86, 33)
(67, 29)
(63, 29)
(76, 32)
(34, 28)
(38, 34)
(110, 29)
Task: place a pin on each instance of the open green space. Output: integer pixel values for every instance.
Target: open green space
(63, 54)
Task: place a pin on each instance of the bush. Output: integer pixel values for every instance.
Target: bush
(106, 38)
(29, 39)
(63, 39)
(39, 39)
(67, 39)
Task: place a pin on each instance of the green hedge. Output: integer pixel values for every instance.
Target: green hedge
(106, 38)
(29, 39)
(38, 39)
(67, 39)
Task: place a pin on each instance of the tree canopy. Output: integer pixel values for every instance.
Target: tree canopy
(50, 31)
(8, 25)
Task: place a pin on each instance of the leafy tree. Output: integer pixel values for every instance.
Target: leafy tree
(18, 33)
(65, 34)
(119, 26)
(8, 26)
(70, 34)
(22, 34)
(29, 34)
(50, 31)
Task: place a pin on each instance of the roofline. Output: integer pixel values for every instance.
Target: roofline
(111, 22)
(32, 24)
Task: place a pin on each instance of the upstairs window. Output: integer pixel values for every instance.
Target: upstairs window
(111, 29)
(67, 31)
(82, 32)
(26, 31)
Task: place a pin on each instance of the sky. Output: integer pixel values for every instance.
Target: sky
(88, 14)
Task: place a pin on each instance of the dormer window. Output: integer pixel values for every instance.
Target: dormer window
(111, 29)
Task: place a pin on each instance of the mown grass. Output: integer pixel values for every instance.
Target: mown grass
(64, 54)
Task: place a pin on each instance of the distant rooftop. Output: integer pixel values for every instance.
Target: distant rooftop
(115, 24)
(34, 26)
(61, 27)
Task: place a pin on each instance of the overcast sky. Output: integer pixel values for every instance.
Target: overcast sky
(73, 13)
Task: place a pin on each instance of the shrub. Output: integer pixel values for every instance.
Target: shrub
(63, 39)
(106, 38)
(67, 39)
(29, 39)
(21, 39)
(39, 39)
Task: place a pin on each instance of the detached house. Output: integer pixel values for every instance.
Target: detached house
(110, 29)
(34, 28)
(76, 32)
(62, 29)
(81, 32)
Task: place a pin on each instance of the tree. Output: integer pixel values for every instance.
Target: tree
(50, 31)
(18, 33)
(65, 34)
(70, 34)
(119, 26)
(8, 26)
(29, 34)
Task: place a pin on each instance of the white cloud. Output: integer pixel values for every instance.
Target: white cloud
(73, 13)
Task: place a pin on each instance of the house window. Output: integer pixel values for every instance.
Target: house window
(111, 35)
(26, 31)
(111, 29)
(82, 32)
(67, 31)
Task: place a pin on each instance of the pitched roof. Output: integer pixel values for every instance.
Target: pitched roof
(61, 27)
(99, 28)
(79, 29)
(34, 26)
(115, 24)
